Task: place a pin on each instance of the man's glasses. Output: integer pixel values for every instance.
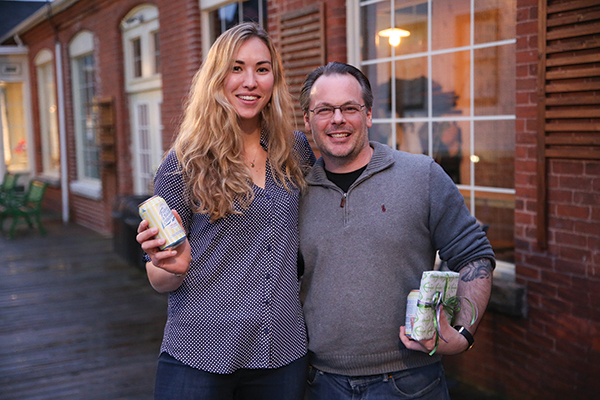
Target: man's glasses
(328, 111)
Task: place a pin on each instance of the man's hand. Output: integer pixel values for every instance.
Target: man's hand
(456, 342)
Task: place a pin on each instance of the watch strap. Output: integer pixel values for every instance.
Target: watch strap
(463, 331)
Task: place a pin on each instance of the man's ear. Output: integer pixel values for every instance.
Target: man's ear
(306, 121)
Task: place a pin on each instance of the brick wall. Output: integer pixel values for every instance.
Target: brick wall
(555, 352)
(181, 56)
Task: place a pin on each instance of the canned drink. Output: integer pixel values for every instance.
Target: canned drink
(158, 214)
(411, 311)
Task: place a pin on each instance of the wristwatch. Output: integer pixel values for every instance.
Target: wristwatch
(463, 331)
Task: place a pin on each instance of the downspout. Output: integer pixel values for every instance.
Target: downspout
(62, 131)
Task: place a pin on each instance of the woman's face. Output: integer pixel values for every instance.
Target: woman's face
(249, 85)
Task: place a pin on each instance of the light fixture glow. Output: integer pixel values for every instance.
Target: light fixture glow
(394, 34)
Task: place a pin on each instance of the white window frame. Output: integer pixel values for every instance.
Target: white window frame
(505, 270)
(44, 62)
(82, 45)
(142, 23)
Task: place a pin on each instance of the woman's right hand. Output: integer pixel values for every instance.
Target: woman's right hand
(175, 262)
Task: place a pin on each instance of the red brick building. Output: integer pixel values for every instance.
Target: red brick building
(503, 94)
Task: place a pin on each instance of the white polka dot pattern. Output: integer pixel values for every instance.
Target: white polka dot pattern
(238, 307)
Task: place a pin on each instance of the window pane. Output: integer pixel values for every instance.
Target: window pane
(380, 77)
(450, 25)
(253, 10)
(410, 88)
(86, 127)
(450, 84)
(375, 18)
(494, 20)
(48, 119)
(412, 18)
(381, 133)
(136, 50)
(494, 80)
(451, 149)
(495, 153)
(408, 138)
(497, 211)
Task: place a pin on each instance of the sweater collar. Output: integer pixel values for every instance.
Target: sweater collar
(381, 159)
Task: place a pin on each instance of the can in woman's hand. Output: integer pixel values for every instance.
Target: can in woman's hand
(158, 214)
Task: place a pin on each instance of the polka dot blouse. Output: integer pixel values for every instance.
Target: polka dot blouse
(238, 306)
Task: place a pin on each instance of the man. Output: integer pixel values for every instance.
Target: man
(370, 224)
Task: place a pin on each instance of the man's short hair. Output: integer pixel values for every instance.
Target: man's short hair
(336, 68)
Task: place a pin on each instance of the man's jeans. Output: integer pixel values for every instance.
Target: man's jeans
(423, 383)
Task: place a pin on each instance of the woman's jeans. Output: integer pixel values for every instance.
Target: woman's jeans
(423, 383)
(177, 381)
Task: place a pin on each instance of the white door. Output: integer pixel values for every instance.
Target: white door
(146, 143)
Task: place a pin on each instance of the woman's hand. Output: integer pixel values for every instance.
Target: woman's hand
(167, 267)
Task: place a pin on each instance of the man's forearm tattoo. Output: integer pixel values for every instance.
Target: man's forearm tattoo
(478, 269)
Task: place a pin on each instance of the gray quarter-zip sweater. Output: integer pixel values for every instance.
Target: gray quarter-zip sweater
(366, 249)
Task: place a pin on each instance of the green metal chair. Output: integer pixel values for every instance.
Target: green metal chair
(8, 186)
(29, 207)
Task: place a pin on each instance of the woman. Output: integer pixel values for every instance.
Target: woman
(235, 327)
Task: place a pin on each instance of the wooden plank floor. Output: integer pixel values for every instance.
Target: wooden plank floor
(76, 321)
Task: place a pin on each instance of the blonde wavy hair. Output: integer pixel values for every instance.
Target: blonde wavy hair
(210, 144)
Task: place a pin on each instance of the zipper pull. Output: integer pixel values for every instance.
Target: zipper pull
(343, 202)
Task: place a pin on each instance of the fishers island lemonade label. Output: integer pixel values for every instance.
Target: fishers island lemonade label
(158, 214)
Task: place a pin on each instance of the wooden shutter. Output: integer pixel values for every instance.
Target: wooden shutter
(302, 50)
(568, 89)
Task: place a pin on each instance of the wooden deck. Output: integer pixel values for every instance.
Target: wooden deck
(76, 321)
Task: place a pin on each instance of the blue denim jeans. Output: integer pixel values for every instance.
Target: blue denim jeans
(423, 383)
(177, 381)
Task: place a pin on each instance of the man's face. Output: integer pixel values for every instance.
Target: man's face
(342, 136)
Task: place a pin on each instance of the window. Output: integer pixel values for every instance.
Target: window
(141, 41)
(142, 49)
(443, 80)
(83, 78)
(48, 114)
(14, 126)
(218, 16)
